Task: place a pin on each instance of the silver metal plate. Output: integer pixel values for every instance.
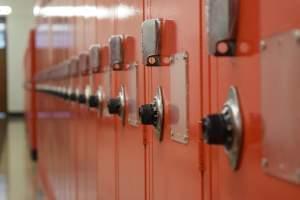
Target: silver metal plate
(94, 58)
(179, 97)
(116, 51)
(74, 66)
(280, 109)
(151, 41)
(158, 100)
(221, 16)
(232, 106)
(107, 79)
(132, 95)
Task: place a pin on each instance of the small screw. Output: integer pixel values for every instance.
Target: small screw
(264, 163)
(298, 176)
(172, 133)
(185, 56)
(185, 138)
(263, 45)
(297, 35)
(151, 60)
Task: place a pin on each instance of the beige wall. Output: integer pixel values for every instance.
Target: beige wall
(18, 25)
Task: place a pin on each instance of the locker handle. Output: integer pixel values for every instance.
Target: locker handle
(221, 25)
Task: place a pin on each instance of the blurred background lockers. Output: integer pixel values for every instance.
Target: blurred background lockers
(16, 25)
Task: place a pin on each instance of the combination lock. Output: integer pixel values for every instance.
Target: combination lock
(149, 114)
(225, 128)
(82, 99)
(96, 100)
(153, 114)
(116, 105)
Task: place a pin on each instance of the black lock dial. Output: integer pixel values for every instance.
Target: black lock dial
(148, 114)
(217, 130)
(114, 105)
(73, 96)
(66, 95)
(82, 99)
(93, 101)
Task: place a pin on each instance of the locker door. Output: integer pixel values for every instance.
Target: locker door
(131, 151)
(91, 130)
(106, 145)
(257, 22)
(80, 121)
(174, 159)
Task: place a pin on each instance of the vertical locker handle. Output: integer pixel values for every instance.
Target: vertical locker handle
(221, 26)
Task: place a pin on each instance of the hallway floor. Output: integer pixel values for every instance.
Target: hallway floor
(17, 171)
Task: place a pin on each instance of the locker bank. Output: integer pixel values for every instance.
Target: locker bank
(165, 99)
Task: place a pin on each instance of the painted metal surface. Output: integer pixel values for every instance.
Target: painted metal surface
(257, 19)
(86, 153)
(130, 139)
(169, 161)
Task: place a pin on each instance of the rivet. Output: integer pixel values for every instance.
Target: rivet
(297, 35)
(263, 45)
(264, 163)
(298, 176)
(151, 60)
(185, 56)
(172, 133)
(186, 138)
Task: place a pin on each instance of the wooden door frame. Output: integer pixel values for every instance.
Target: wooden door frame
(3, 76)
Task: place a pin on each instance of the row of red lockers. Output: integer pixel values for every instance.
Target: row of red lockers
(165, 99)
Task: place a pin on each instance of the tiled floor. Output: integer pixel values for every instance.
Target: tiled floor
(17, 172)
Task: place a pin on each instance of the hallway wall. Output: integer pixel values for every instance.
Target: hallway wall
(18, 25)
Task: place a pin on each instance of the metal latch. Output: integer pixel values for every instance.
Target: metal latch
(221, 26)
(151, 42)
(94, 58)
(83, 63)
(116, 52)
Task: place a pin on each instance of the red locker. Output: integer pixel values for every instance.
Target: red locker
(174, 167)
(30, 95)
(161, 100)
(105, 125)
(256, 21)
(131, 149)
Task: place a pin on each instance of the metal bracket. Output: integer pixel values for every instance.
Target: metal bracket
(116, 52)
(221, 26)
(179, 97)
(83, 63)
(151, 42)
(94, 58)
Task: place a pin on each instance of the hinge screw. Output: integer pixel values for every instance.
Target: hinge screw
(264, 163)
(263, 45)
(297, 35)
